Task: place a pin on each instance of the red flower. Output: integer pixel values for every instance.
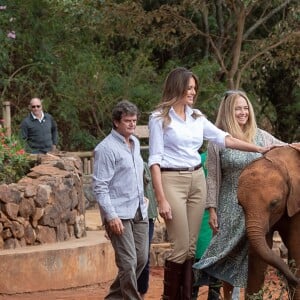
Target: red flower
(21, 151)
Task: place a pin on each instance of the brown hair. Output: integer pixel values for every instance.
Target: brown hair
(122, 108)
(175, 87)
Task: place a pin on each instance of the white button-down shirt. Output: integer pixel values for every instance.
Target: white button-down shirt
(177, 145)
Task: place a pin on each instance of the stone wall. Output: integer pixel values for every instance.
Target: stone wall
(46, 206)
(90, 199)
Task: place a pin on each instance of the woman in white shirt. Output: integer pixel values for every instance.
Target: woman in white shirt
(176, 132)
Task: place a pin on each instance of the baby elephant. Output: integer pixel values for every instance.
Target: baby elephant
(269, 192)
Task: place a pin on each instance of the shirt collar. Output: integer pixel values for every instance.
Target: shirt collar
(117, 135)
(36, 118)
(188, 110)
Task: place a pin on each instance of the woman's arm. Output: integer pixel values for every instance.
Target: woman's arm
(156, 151)
(213, 184)
(164, 208)
(233, 143)
(213, 179)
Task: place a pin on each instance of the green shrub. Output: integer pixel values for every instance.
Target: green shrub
(14, 161)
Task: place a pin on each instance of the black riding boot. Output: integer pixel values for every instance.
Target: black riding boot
(188, 279)
(195, 292)
(172, 280)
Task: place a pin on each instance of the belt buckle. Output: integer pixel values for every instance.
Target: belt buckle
(191, 169)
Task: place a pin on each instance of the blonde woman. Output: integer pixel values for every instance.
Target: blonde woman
(227, 256)
(176, 132)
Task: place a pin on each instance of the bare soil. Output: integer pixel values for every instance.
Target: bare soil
(274, 290)
(98, 291)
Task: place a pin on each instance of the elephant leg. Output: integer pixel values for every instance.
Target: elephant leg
(256, 274)
(292, 242)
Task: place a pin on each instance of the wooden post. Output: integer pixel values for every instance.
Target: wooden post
(89, 169)
(85, 166)
(6, 117)
(92, 164)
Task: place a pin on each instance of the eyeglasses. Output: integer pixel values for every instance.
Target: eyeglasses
(35, 106)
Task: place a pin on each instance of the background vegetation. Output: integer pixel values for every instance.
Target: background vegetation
(82, 56)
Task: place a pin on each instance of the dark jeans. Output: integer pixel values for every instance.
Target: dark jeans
(143, 280)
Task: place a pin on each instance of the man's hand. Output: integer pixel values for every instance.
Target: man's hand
(116, 226)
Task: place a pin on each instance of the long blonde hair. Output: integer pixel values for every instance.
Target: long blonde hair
(175, 87)
(226, 117)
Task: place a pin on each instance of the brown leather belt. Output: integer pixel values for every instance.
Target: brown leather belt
(189, 169)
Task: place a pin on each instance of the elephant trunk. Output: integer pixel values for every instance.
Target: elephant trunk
(257, 240)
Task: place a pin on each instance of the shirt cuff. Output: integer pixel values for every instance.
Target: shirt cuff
(154, 159)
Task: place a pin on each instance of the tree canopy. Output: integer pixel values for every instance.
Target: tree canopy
(81, 57)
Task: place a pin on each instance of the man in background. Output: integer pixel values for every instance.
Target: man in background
(38, 129)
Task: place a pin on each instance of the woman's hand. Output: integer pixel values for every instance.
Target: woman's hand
(164, 209)
(265, 149)
(213, 220)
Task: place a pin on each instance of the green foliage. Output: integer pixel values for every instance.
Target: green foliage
(81, 57)
(277, 82)
(14, 162)
(85, 111)
(211, 88)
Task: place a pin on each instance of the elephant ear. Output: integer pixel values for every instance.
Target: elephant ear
(287, 159)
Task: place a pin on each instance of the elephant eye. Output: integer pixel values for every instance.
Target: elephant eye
(274, 204)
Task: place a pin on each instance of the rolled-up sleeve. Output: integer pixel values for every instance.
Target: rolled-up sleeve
(214, 134)
(156, 140)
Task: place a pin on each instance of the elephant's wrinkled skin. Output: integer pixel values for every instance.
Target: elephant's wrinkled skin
(269, 192)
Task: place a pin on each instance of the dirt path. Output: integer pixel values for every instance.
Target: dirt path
(98, 292)
(274, 290)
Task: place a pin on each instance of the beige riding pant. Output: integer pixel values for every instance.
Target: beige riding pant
(186, 194)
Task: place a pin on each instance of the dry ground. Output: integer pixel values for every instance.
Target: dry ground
(98, 292)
